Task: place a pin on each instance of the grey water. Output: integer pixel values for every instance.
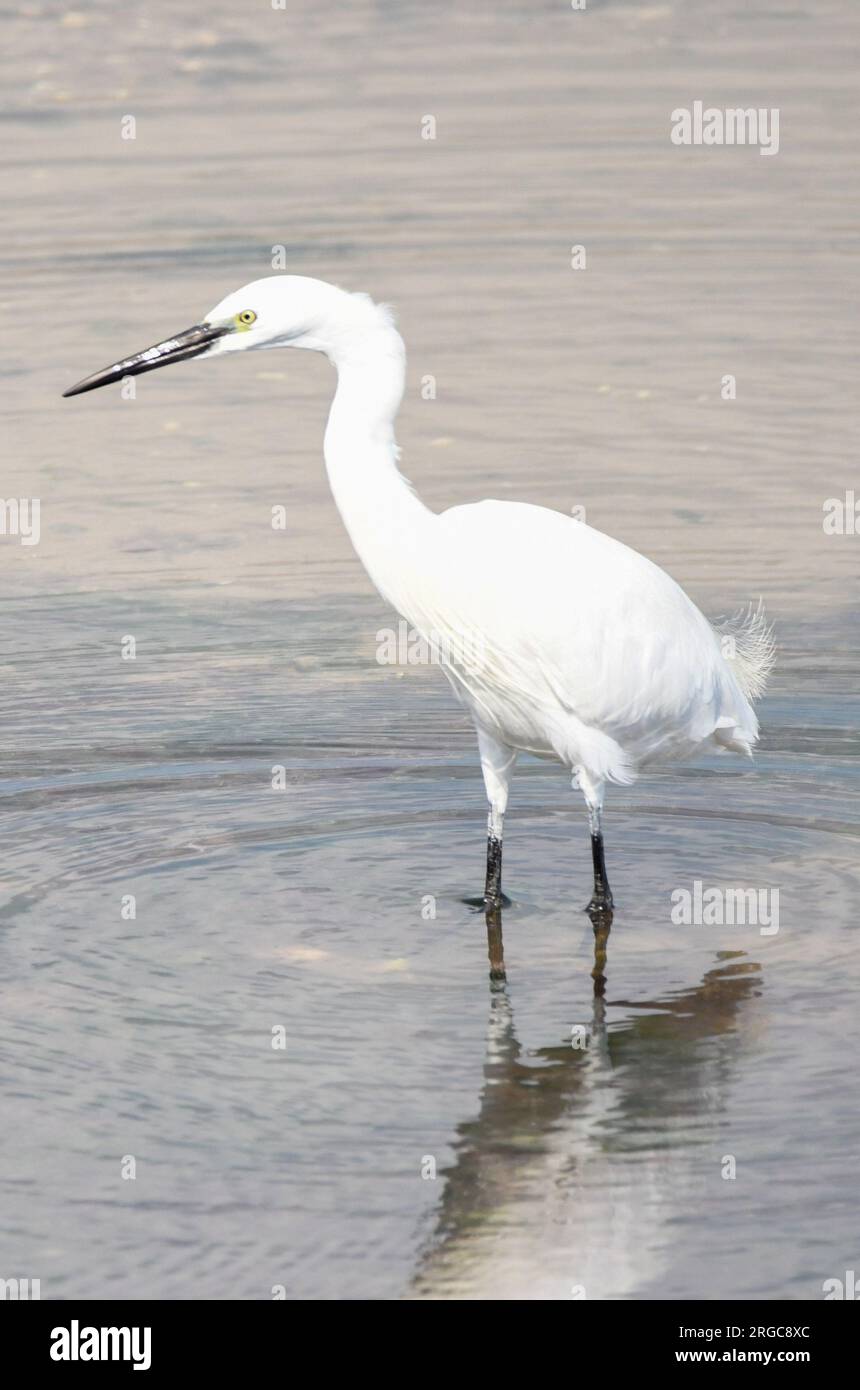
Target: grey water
(234, 957)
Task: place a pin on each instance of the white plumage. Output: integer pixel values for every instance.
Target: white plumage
(559, 640)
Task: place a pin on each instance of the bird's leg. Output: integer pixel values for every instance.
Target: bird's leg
(601, 903)
(493, 884)
(601, 898)
(493, 897)
(603, 894)
(497, 764)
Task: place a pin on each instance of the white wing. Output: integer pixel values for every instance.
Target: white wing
(562, 640)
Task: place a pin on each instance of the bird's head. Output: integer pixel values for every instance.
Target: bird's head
(280, 311)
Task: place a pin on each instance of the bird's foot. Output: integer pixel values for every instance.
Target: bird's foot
(601, 907)
(488, 903)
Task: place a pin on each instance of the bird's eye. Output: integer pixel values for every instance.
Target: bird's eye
(246, 318)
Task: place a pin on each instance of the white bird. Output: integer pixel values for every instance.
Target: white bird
(559, 640)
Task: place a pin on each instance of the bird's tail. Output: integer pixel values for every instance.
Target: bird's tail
(748, 648)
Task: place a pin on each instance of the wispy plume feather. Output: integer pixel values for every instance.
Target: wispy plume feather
(753, 649)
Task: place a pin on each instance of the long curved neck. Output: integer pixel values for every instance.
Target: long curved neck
(380, 510)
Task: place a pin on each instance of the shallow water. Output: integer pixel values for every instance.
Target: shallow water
(558, 1170)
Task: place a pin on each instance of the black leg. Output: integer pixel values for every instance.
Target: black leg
(493, 886)
(601, 899)
(493, 895)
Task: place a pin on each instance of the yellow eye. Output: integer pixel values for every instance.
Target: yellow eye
(246, 318)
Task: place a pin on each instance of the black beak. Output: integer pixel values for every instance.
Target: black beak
(188, 344)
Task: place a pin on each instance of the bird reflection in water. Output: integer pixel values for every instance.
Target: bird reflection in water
(580, 1157)
(601, 921)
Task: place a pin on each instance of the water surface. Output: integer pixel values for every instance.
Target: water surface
(559, 1171)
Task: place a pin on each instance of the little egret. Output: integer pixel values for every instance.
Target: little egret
(559, 640)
